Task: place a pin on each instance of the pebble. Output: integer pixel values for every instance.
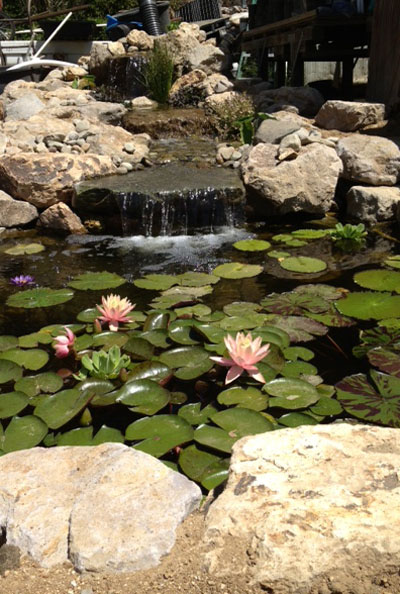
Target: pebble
(129, 147)
(87, 591)
(122, 170)
(81, 125)
(127, 165)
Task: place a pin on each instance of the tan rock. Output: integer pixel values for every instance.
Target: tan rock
(140, 39)
(116, 48)
(372, 204)
(191, 79)
(59, 217)
(14, 213)
(348, 116)
(73, 72)
(370, 160)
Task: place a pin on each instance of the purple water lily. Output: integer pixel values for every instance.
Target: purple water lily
(22, 280)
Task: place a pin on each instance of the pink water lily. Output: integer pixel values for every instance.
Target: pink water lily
(64, 343)
(245, 353)
(114, 311)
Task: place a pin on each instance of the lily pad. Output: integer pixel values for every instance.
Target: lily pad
(180, 331)
(108, 339)
(199, 311)
(244, 322)
(294, 353)
(196, 279)
(149, 370)
(88, 315)
(291, 393)
(393, 261)
(194, 414)
(378, 280)
(236, 270)
(215, 474)
(327, 407)
(385, 360)
(8, 342)
(139, 348)
(240, 308)
(310, 233)
(23, 433)
(327, 292)
(296, 419)
(293, 303)
(303, 264)
(194, 462)
(252, 245)
(32, 359)
(81, 436)
(298, 368)
(156, 282)
(145, 396)
(299, 328)
(369, 305)
(22, 249)
(185, 356)
(239, 422)
(215, 438)
(41, 297)
(47, 382)
(359, 398)
(29, 341)
(278, 254)
(96, 281)
(160, 433)
(56, 410)
(378, 336)
(12, 403)
(108, 434)
(250, 398)
(9, 371)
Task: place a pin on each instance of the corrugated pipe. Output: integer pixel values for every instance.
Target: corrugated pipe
(150, 17)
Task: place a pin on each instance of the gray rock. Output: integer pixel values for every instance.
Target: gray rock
(24, 107)
(81, 125)
(14, 213)
(106, 508)
(272, 131)
(348, 116)
(59, 217)
(372, 204)
(370, 160)
(208, 58)
(311, 509)
(291, 141)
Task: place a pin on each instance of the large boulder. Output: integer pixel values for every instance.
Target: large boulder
(206, 57)
(306, 99)
(305, 184)
(46, 179)
(14, 213)
(105, 508)
(182, 41)
(310, 510)
(59, 217)
(372, 204)
(371, 160)
(348, 116)
(272, 131)
(24, 107)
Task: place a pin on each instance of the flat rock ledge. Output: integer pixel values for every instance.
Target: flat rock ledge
(106, 508)
(311, 510)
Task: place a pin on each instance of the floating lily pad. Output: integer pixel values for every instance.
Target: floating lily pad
(385, 360)
(41, 297)
(291, 393)
(9, 371)
(359, 398)
(160, 433)
(108, 434)
(186, 356)
(194, 414)
(239, 422)
(327, 407)
(194, 462)
(239, 308)
(157, 321)
(299, 328)
(96, 281)
(244, 322)
(272, 335)
(88, 315)
(23, 433)
(296, 419)
(99, 391)
(32, 359)
(187, 293)
(47, 382)
(108, 339)
(83, 342)
(310, 233)
(196, 279)
(252, 245)
(8, 342)
(154, 370)
(139, 348)
(298, 369)
(22, 249)
(180, 331)
(29, 341)
(332, 318)
(81, 436)
(199, 311)
(56, 410)
(393, 261)
(369, 305)
(215, 438)
(12, 403)
(294, 303)
(294, 353)
(250, 398)
(236, 270)
(278, 254)
(156, 282)
(145, 396)
(327, 292)
(215, 474)
(378, 280)
(158, 338)
(303, 264)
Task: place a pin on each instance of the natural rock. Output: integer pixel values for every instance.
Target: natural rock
(24, 107)
(310, 508)
(304, 184)
(14, 213)
(31, 177)
(73, 72)
(272, 131)
(143, 102)
(140, 40)
(182, 41)
(59, 217)
(306, 99)
(372, 204)
(220, 98)
(348, 116)
(216, 83)
(98, 61)
(370, 160)
(102, 111)
(106, 508)
(206, 57)
(193, 79)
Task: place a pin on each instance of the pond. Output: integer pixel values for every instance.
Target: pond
(152, 384)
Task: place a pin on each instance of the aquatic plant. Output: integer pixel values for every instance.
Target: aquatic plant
(64, 343)
(22, 280)
(158, 72)
(114, 311)
(244, 353)
(104, 365)
(348, 232)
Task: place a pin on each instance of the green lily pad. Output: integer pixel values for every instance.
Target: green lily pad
(332, 318)
(32, 359)
(193, 371)
(378, 280)
(196, 279)
(56, 410)
(88, 315)
(310, 233)
(185, 356)
(240, 308)
(76, 437)
(8, 342)
(84, 342)
(298, 368)
(250, 398)
(149, 370)
(252, 245)
(360, 399)
(47, 383)
(393, 261)
(156, 321)
(236, 270)
(108, 434)
(108, 339)
(23, 433)
(215, 474)
(100, 391)
(199, 310)
(239, 422)
(22, 249)
(369, 305)
(327, 407)
(158, 338)
(41, 297)
(244, 322)
(145, 396)
(9, 371)
(385, 360)
(294, 303)
(96, 281)
(194, 462)
(156, 282)
(303, 264)
(272, 335)
(12, 403)
(193, 414)
(291, 393)
(327, 292)
(139, 348)
(180, 331)
(296, 419)
(383, 336)
(299, 328)
(160, 433)
(182, 294)
(294, 353)
(278, 254)
(29, 341)
(215, 438)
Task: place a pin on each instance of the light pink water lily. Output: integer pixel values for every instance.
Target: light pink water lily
(64, 343)
(245, 353)
(114, 311)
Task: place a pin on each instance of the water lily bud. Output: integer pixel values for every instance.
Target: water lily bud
(86, 418)
(96, 326)
(123, 375)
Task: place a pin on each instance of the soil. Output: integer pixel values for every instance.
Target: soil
(182, 571)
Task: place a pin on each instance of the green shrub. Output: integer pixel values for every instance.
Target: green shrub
(226, 116)
(158, 73)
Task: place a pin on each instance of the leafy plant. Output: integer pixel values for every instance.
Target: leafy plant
(86, 82)
(226, 115)
(104, 365)
(158, 72)
(354, 233)
(247, 125)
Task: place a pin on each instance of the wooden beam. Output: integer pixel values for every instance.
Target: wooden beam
(49, 14)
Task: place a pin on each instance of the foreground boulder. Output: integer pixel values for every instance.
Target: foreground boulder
(109, 508)
(14, 213)
(312, 509)
(305, 184)
(371, 205)
(349, 116)
(370, 160)
(59, 217)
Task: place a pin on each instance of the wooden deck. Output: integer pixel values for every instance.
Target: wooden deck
(310, 37)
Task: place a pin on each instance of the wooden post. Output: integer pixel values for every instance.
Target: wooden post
(384, 62)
